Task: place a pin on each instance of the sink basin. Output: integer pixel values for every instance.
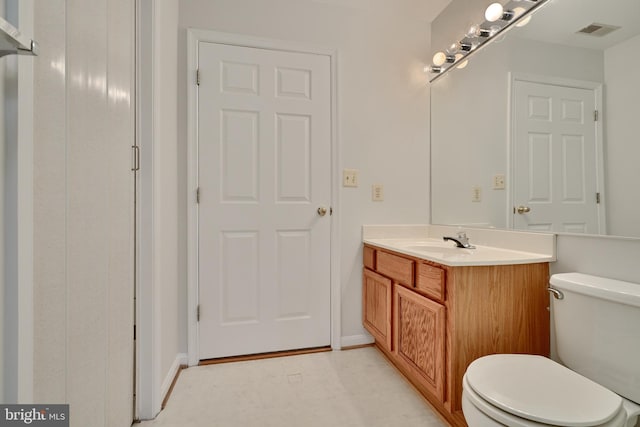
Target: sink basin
(444, 250)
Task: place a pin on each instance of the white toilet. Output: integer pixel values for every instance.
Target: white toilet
(597, 325)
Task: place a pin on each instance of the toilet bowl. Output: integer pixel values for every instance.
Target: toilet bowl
(598, 382)
(527, 391)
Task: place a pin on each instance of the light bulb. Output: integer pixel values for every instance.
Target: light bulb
(473, 31)
(453, 48)
(439, 58)
(518, 11)
(461, 64)
(494, 12)
(524, 22)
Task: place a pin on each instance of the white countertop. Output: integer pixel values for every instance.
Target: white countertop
(448, 254)
(426, 242)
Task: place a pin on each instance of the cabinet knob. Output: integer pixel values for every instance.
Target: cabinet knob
(523, 209)
(322, 211)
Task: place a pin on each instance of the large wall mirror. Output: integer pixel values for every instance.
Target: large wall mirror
(516, 140)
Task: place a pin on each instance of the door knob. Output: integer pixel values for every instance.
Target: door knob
(523, 209)
(322, 211)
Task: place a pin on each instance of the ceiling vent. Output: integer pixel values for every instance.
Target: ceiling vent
(598, 30)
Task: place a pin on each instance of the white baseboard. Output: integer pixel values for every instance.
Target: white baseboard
(354, 340)
(181, 359)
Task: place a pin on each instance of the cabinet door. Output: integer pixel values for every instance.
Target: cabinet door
(376, 311)
(419, 337)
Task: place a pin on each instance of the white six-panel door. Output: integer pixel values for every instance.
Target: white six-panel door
(264, 171)
(555, 158)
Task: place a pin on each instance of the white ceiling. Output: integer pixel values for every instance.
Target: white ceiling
(559, 20)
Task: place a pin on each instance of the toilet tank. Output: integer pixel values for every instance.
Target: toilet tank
(597, 326)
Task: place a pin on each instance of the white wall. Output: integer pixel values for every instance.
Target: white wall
(622, 139)
(167, 204)
(585, 255)
(83, 209)
(159, 323)
(383, 113)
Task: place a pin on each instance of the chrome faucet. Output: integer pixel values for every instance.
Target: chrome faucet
(462, 241)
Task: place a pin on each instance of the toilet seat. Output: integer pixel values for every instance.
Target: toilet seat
(478, 412)
(540, 391)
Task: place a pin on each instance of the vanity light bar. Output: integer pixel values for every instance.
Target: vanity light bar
(499, 18)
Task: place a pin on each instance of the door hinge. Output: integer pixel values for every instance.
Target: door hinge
(198, 195)
(198, 76)
(134, 332)
(198, 313)
(598, 198)
(135, 157)
(595, 115)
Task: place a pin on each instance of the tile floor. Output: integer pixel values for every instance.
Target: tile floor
(352, 388)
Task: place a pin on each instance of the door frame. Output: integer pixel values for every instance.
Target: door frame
(596, 87)
(194, 37)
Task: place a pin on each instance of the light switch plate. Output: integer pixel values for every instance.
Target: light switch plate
(350, 177)
(377, 192)
(498, 182)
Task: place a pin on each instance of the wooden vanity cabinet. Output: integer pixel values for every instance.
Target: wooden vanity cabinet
(433, 320)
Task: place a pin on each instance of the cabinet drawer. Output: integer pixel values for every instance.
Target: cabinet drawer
(395, 267)
(369, 257)
(430, 281)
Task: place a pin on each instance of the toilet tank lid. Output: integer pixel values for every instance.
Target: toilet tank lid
(599, 287)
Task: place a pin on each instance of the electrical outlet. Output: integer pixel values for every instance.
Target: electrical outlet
(350, 177)
(476, 194)
(498, 182)
(377, 192)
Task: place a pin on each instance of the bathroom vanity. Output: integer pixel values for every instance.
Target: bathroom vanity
(434, 308)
